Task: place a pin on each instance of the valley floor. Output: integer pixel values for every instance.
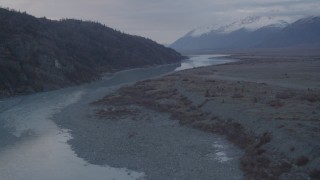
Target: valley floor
(267, 106)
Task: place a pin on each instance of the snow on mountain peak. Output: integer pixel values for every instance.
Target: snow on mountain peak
(308, 19)
(250, 23)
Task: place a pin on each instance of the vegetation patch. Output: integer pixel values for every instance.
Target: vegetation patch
(275, 103)
(302, 161)
(311, 97)
(259, 161)
(284, 95)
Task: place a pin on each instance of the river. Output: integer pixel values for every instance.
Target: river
(33, 147)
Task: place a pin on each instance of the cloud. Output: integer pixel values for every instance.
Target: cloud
(165, 20)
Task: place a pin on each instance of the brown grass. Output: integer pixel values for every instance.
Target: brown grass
(315, 174)
(237, 95)
(284, 95)
(302, 161)
(116, 112)
(256, 161)
(311, 97)
(275, 103)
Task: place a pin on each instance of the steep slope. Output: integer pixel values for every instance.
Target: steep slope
(239, 34)
(37, 54)
(302, 33)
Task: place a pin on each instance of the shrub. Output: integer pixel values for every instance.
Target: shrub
(311, 97)
(301, 161)
(284, 95)
(264, 139)
(237, 96)
(275, 103)
(315, 174)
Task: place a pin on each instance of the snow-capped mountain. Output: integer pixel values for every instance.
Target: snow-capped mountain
(239, 34)
(250, 23)
(302, 33)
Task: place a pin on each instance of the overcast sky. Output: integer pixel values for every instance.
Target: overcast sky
(164, 20)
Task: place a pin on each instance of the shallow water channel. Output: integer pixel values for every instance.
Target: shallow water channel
(33, 147)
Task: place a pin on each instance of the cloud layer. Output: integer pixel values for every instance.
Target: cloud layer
(165, 20)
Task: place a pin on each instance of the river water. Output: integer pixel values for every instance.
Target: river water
(33, 147)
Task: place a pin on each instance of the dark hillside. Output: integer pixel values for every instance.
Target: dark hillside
(37, 54)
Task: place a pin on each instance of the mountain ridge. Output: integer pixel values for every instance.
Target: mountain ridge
(251, 33)
(303, 32)
(249, 23)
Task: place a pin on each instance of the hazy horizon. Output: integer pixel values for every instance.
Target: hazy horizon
(164, 21)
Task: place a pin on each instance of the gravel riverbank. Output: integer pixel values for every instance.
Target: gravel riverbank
(146, 141)
(266, 106)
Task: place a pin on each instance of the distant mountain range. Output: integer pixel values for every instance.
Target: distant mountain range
(253, 32)
(37, 54)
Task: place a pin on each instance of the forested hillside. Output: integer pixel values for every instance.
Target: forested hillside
(37, 54)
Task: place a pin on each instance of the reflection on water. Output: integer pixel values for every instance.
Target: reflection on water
(41, 151)
(203, 60)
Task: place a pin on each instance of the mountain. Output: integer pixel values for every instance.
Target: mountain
(250, 23)
(37, 54)
(253, 32)
(239, 34)
(302, 33)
